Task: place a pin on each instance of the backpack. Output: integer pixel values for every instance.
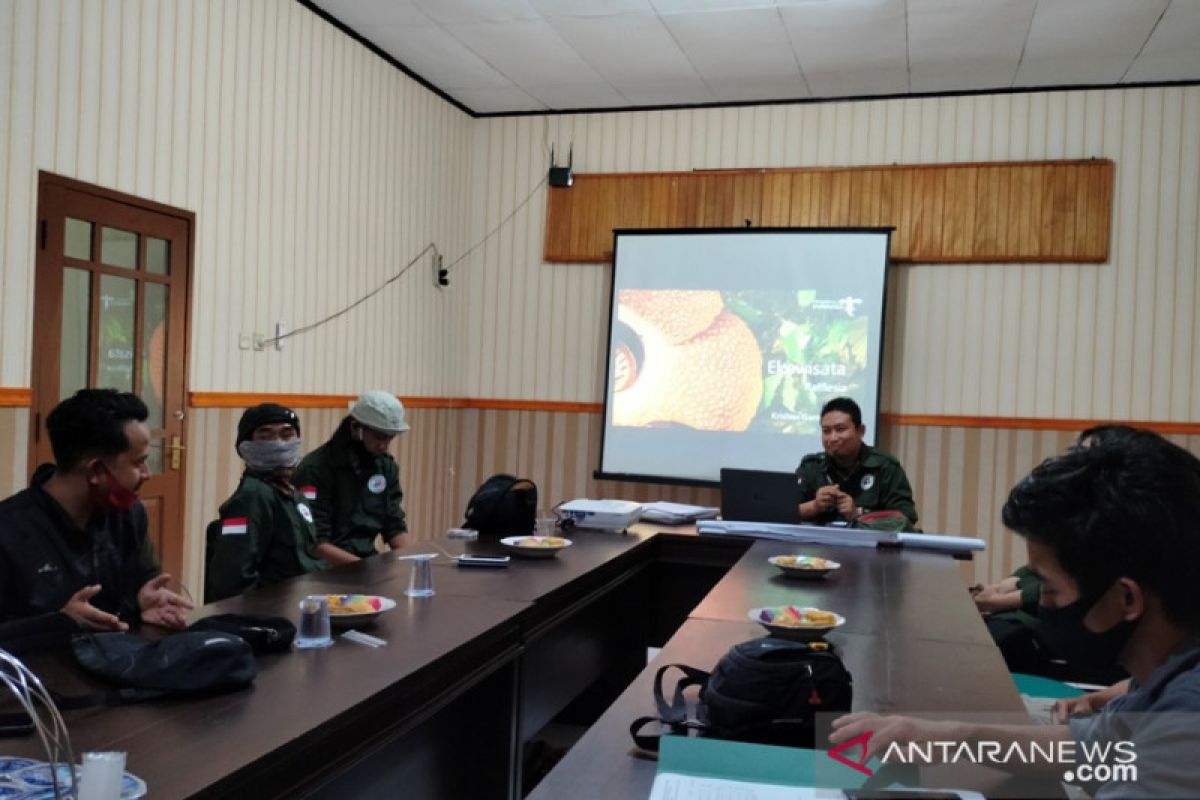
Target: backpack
(186, 663)
(766, 691)
(503, 506)
(265, 633)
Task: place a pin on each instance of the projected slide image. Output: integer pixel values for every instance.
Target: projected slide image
(744, 360)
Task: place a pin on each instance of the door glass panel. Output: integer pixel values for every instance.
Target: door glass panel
(118, 248)
(154, 364)
(73, 361)
(116, 346)
(77, 241)
(158, 255)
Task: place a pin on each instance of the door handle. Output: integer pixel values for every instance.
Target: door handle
(176, 448)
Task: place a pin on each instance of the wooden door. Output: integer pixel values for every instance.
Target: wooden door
(110, 311)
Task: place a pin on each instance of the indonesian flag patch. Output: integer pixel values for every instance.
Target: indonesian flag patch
(309, 492)
(233, 526)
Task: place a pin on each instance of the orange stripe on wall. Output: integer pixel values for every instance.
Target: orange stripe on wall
(18, 397)
(246, 399)
(1034, 423)
(15, 397)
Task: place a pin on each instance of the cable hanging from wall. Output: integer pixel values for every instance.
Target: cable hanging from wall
(442, 271)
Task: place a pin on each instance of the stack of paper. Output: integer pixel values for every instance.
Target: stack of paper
(843, 537)
(665, 513)
(810, 534)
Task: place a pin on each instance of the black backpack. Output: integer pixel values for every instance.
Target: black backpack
(766, 691)
(503, 506)
(265, 633)
(185, 663)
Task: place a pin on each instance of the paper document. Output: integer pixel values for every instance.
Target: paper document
(842, 537)
(666, 513)
(672, 786)
(810, 534)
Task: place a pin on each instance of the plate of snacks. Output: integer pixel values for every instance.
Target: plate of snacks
(351, 609)
(797, 622)
(535, 546)
(804, 566)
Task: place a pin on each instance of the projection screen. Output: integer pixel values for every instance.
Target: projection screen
(724, 343)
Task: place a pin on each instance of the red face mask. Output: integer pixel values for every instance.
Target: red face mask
(114, 496)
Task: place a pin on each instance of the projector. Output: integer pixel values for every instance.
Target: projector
(613, 515)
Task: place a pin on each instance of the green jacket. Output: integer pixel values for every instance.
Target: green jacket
(265, 535)
(353, 500)
(876, 482)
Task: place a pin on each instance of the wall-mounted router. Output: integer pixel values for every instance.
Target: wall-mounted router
(562, 177)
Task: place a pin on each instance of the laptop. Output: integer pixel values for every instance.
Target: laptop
(751, 495)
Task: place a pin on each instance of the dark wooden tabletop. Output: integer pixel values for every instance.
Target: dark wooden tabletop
(184, 746)
(912, 641)
(887, 592)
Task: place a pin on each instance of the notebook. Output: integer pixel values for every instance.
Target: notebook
(751, 495)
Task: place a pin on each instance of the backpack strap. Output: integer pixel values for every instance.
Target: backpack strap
(672, 716)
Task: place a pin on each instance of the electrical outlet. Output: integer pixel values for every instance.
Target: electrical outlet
(260, 341)
(244, 341)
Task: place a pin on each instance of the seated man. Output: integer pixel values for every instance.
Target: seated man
(353, 482)
(1010, 609)
(76, 540)
(265, 533)
(1111, 531)
(850, 478)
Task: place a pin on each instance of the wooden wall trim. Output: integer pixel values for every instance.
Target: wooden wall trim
(1034, 423)
(15, 397)
(986, 212)
(246, 399)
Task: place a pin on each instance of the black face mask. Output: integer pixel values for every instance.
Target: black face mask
(1064, 630)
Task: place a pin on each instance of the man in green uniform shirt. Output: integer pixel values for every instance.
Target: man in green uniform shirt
(265, 533)
(850, 478)
(353, 483)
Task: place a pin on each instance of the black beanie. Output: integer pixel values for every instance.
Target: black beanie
(265, 414)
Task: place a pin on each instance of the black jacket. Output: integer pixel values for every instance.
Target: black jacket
(45, 558)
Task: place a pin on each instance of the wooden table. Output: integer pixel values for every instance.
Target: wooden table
(471, 673)
(912, 641)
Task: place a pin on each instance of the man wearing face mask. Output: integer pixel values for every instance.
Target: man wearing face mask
(353, 483)
(1111, 531)
(76, 540)
(265, 531)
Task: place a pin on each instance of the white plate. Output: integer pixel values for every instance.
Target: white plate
(385, 604)
(802, 633)
(510, 543)
(800, 571)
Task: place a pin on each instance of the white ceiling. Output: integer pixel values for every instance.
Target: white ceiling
(498, 56)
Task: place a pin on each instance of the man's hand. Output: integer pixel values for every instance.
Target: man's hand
(80, 609)
(886, 730)
(989, 601)
(398, 540)
(846, 507)
(161, 606)
(1085, 705)
(827, 498)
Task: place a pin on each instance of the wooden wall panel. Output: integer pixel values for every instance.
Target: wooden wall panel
(961, 468)
(942, 213)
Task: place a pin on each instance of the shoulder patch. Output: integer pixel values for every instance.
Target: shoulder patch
(234, 526)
